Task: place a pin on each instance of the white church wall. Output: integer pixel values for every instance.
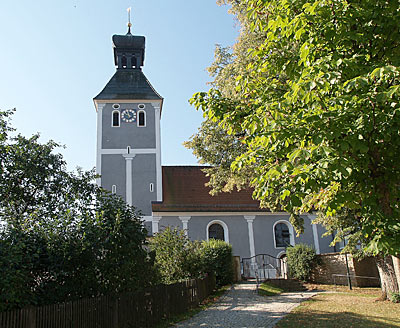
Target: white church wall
(128, 134)
(169, 221)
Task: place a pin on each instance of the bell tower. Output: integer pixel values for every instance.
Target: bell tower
(128, 128)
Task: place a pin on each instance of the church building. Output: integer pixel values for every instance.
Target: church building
(129, 162)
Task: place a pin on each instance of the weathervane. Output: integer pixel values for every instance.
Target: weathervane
(129, 20)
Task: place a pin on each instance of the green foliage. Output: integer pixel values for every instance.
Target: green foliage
(176, 257)
(217, 258)
(301, 259)
(395, 297)
(61, 236)
(318, 111)
(212, 144)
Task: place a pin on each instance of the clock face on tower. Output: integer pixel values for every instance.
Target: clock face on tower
(128, 115)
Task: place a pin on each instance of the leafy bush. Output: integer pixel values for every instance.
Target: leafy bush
(217, 258)
(301, 260)
(395, 297)
(43, 262)
(176, 257)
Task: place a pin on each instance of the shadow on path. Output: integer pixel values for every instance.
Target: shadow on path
(242, 307)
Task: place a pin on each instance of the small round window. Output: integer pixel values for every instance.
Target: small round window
(116, 106)
(141, 106)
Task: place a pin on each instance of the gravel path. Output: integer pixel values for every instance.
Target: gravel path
(242, 307)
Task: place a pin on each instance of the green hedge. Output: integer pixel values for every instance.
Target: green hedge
(217, 258)
(301, 260)
(177, 258)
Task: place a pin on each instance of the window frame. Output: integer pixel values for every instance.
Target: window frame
(112, 118)
(291, 233)
(224, 226)
(138, 118)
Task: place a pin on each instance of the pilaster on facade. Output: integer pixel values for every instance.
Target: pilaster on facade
(99, 108)
(315, 233)
(250, 220)
(154, 224)
(128, 161)
(157, 108)
(185, 220)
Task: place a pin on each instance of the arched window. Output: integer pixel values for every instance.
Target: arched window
(142, 118)
(124, 62)
(216, 231)
(282, 235)
(115, 118)
(134, 62)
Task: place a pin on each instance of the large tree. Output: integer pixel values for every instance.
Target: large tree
(318, 111)
(211, 143)
(61, 236)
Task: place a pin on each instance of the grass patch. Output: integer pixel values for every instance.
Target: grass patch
(210, 300)
(345, 308)
(266, 289)
(345, 289)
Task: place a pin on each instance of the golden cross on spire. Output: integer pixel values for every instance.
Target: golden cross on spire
(129, 20)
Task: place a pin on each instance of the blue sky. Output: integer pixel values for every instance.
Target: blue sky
(56, 55)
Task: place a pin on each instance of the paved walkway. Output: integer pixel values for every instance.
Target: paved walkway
(242, 307)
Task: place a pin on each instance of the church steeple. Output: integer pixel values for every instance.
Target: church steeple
(128, 128)
(128, 49)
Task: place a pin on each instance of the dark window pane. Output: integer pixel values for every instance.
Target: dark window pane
(282, 235)
(141, 119)
(216, 231)
(124, 62)
(115, 119)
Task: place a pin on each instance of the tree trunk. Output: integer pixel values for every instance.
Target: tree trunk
(396, 266)
(388, 276)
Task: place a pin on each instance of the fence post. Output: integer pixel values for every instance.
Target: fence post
(115, 312)
(236, 265)
(31, 317)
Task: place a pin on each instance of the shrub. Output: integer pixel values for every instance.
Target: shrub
(395, 297)
(73, 257)
(176, 257)
(217, 258)
(301, 260)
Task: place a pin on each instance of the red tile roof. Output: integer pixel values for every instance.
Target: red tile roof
(184, 190)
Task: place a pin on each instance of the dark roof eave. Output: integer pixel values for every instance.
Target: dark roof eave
(128, 84)
(158, 207)
(132, 96)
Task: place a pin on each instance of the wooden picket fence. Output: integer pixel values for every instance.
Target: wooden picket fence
(140, 309)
